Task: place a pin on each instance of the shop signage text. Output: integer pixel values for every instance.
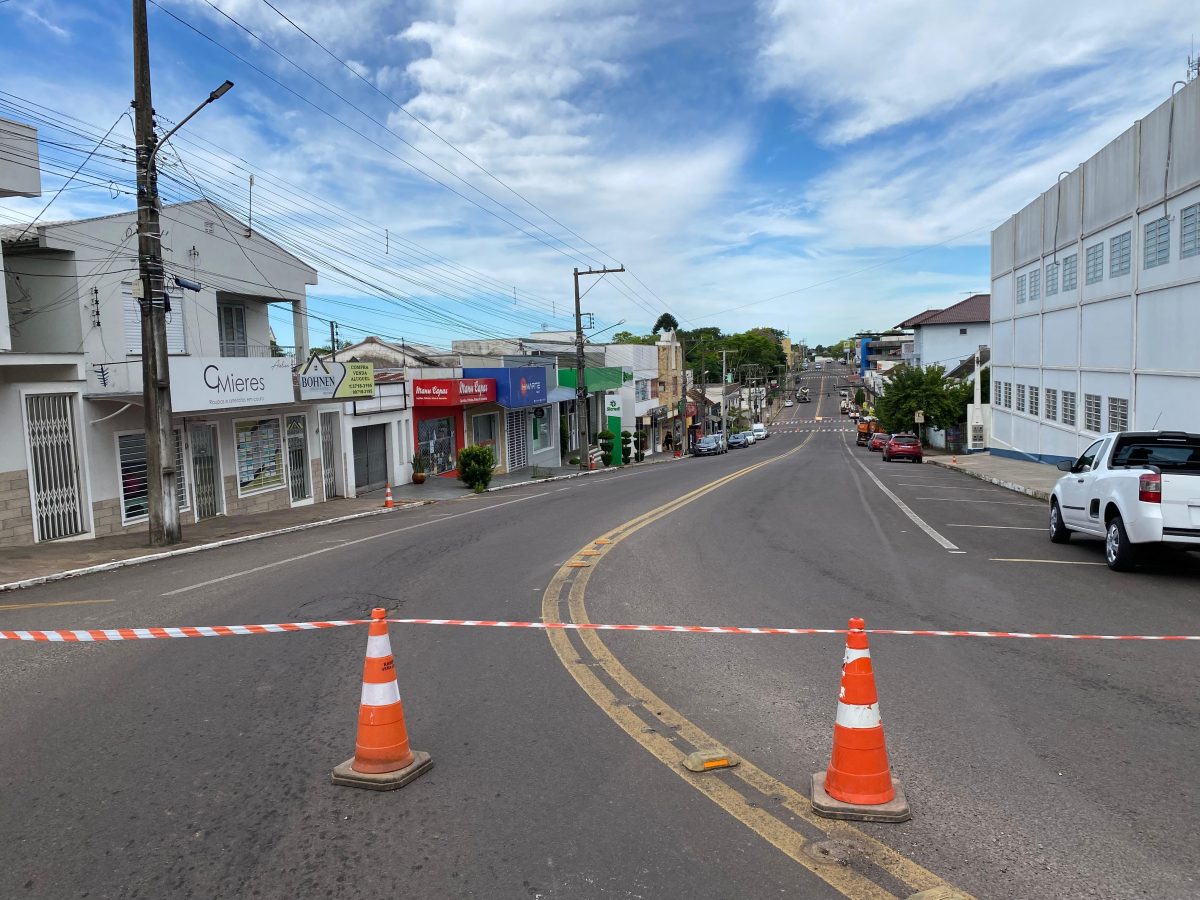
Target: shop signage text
(453, 391)
(209, 383)
(516, 387)
(322, 380)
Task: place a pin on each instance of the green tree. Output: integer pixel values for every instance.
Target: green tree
(666, 322)
(920, 389)
(628, 337)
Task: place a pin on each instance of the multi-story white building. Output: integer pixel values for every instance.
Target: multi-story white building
(945, 337)
(1096, 295)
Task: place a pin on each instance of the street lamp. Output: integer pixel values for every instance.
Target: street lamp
(212, 97)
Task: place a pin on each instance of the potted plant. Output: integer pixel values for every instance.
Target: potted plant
(418, 467)
(626, 447)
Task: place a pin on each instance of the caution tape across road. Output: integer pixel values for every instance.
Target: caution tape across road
(139, 634)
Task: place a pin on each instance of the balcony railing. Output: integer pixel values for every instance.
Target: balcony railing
(244, 349)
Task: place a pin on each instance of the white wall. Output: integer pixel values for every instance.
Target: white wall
(945, 346)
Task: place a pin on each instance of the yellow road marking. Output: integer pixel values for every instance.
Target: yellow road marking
(767, 826)
(51, 603)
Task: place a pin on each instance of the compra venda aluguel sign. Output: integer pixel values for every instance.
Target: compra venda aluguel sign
(322, 380)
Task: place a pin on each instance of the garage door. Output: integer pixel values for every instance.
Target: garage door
(370, 457)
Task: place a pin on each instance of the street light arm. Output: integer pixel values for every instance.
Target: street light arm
(215, 95)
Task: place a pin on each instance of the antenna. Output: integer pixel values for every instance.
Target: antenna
(1154, 427)
(1193, 68)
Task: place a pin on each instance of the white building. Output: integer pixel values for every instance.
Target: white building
(1096, 295)
(945, 337)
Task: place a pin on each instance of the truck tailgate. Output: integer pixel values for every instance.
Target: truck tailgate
(1180, 504)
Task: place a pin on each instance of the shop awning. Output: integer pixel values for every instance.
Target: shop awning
(560, 395)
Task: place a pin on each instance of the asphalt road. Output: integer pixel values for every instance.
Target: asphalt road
(199, 768)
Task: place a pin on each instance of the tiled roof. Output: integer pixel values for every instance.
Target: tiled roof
(966, 368)
(977, 308)
(919, 318)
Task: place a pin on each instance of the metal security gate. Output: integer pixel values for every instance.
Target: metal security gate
(57, 509)
(518, 440)
(329, 425)
(370, 457)
(297, 451)
(206, 474)
(435, 439)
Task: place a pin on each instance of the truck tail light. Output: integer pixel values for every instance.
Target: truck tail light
(1150, 488)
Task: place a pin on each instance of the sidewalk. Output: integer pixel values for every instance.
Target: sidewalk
(1031, 478)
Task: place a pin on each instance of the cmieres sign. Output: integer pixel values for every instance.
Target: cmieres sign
(322, 380)
(213, 383)
(453, 391)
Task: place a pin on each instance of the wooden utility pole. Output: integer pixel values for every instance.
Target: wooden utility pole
(581, 408)
(156, 376)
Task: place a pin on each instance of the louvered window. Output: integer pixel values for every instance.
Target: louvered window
(176, 333)
(1156, 248)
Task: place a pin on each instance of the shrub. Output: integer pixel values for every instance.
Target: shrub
(626, 446)
(606, 439)
(475, 466)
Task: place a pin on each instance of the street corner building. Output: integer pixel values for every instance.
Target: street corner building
(73, 450)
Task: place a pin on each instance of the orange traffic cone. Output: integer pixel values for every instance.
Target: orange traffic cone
(382, 759)
(858, 783)
(387, 498)
(954, 460)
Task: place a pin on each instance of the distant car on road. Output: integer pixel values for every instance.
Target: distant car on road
(708, 445)
(878, 441)
(817, 367)
(788, 403)
(737, 440)
(903, 446)
(760, 431)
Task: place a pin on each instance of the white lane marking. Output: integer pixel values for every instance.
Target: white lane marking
(363, 540)
(1008, 527)
(947, 487)
(972, 500)
(917, 520)
(1052, 562)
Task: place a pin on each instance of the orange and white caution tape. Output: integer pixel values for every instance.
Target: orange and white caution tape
(135, 634)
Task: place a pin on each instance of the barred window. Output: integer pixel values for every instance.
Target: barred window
(1020, 288)
(1070, 274)
(1189, 231)
(996, 389)
(1118, 414)
(1068, 406)
(1118, 252)
(1020, 398)
(1156, 247)
(131, 457)
(1095, 263)
(1035, 286)
(1051, 279)
(1033, 400)
(1091, 412)
(1008, 395)
(1052, 404)
(259, 455)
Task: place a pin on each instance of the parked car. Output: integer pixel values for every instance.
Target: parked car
(903, 446)
(1131, 488)
(760, 431)
(709, 445)
(788, 403)
(749, 436)
(737, 441)
(817, 367)
(878, 441)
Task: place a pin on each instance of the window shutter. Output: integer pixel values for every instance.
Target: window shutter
(176, 333)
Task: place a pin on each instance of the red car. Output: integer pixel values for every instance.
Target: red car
(878, 441)
(903, 446)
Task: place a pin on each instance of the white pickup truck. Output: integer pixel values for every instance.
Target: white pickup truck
(1131, 488)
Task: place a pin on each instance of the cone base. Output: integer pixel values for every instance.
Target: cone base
(823, 805)
(388, 781)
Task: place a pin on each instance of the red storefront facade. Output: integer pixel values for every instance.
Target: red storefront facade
(439, 423)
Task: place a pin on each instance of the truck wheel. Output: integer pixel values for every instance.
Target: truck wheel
(1119, 552)
(1059, 533)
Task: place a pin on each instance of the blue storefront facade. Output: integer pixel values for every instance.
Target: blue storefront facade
(523, 425)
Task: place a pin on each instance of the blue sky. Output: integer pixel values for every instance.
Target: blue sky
(813, 165)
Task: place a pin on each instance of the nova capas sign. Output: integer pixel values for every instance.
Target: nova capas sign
(453, 391)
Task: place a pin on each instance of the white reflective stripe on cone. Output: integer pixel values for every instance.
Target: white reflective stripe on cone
(852, 654)
(849, 716)
(378, 646)
(384, 694)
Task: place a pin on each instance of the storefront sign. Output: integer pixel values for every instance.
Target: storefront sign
(657, 412)
(515, 387)
(321, 380)
(201, 383)
(453, 391)
(612, 405)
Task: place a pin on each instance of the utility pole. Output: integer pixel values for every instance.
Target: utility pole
(156, 376)
(581, 407)
(724, 394)
(333, 342)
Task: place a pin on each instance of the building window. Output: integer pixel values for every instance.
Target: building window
(962, 331)
(996, 389)
(1035, 286)
(1008, 395)
(1020, 398)
(132, 308)
(231, 329)
(1068, 398)
(485, 430)
(539, 429)
(641, 389)
(1091, 412)
(1189, 231)
(1156, 249)
(1070, 272)
(1051, 279)
(259, 455)
(1020, 288)
(1033, 400)
(1118, 253)
(1051, 404)
(1118, 414)
(1095, 263)
(131, 457)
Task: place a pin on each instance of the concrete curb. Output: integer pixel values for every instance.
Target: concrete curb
(991, 479)
(242, 539)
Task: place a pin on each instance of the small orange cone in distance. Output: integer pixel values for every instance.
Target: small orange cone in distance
(858, 783)
(387, 498)
(382, 760)
(954, 460)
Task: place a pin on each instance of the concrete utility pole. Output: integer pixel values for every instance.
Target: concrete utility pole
(156, 376)
(581, 407)
(724, 395)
